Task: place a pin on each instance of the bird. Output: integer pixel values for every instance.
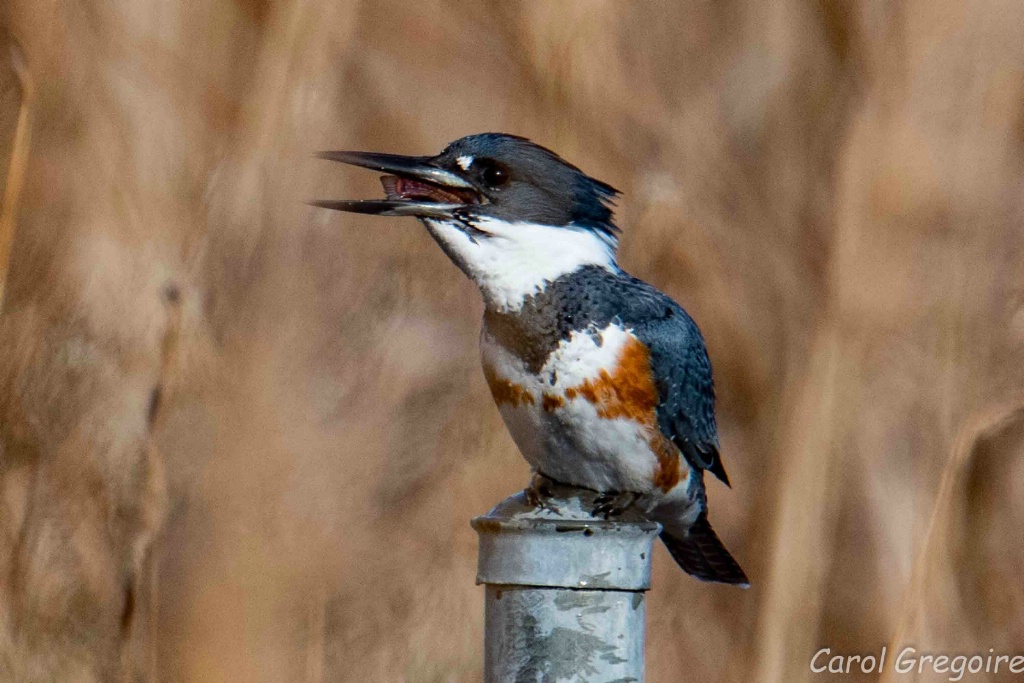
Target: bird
(603, 381)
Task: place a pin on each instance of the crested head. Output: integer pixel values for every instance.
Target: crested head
(528, 183)
(513, 215)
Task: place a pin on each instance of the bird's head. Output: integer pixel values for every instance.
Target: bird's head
(511, 214)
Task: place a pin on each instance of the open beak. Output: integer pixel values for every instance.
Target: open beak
(413, 186)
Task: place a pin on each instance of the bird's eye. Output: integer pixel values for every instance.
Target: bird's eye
(494, 176)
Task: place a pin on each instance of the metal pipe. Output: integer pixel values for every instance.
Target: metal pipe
(564, 588)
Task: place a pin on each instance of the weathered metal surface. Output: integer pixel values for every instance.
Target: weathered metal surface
(564, 598)
(551, 634)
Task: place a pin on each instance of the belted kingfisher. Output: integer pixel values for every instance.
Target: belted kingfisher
(603, 381)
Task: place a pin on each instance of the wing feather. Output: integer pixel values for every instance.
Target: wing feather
(679, 360)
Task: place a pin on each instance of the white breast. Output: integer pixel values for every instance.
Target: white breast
(561, 432)
(511, 261)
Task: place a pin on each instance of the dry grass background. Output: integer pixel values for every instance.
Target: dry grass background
(835, 189)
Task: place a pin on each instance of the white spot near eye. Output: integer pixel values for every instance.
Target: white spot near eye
(465, 162)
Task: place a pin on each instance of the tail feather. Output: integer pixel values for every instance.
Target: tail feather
(702, 555)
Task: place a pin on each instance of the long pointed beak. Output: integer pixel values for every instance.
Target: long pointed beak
(389, 207)
(414, 187)
(417, 168)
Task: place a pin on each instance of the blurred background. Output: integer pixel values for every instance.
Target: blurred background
(241, 439)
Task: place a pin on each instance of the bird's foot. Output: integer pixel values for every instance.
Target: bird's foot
(539, 492)
(614, 504)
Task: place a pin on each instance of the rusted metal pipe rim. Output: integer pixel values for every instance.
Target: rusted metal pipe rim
(489, 524)
(558, 542)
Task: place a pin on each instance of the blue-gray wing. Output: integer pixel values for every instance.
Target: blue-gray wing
(679, 361)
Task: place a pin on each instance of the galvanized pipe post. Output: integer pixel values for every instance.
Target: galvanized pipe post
(564, 589)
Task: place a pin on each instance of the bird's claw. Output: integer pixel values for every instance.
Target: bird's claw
(538, 493)
(613, 504)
